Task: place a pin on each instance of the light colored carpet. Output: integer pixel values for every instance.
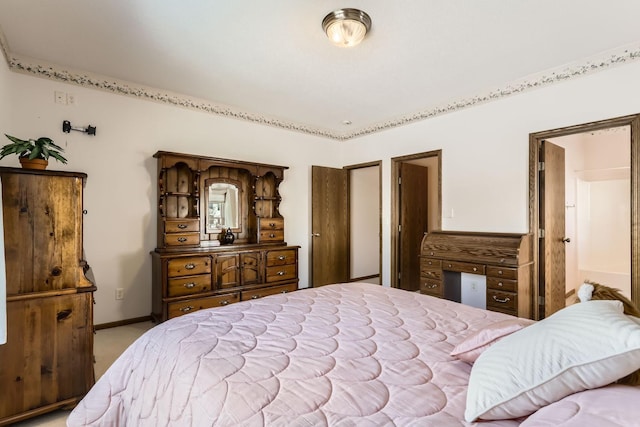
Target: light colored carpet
(107, 347)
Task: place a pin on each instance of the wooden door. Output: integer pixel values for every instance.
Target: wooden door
(413, 223)
(551, 248)
(330, 226)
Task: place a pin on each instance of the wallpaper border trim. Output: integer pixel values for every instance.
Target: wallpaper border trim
(120, 87)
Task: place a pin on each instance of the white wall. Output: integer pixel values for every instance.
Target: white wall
(484, 162)
(485, 149)
(364, 208)
(120, 192)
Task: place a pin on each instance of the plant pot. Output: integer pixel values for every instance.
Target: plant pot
(37, 164)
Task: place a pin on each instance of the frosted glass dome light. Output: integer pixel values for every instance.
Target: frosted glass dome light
(346, 27)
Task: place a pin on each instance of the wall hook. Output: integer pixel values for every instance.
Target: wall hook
(67, 128)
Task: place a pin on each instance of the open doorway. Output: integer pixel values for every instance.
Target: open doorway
(561, 228)
(598, 208)
(346, 224)
(408, 222)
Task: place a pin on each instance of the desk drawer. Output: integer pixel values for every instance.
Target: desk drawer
(500, 284)
(463, 267)
(433, 274)
(506, 273)
(503, 300)
(183, 307)
(430, 263)
(431, 287)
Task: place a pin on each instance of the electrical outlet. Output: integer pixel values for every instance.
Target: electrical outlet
(60, 97)
(119, 293)
(71, 99)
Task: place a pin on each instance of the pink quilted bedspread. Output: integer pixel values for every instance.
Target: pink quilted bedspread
(341, 355)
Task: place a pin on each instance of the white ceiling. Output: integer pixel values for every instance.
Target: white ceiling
(270, 62)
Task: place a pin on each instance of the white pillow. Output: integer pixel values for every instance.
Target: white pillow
(611, 406)
(583, 346)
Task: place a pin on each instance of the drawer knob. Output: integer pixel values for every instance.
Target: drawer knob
(182, 226)
(187, 309)
(449, 265)
(282, 257)
(475, 268)
(255, 297)
(499, 271)
(502, 301)
(224, 302)
(182, 239)
(272, 224)
(190, 266)
(500, 284)
(189, 285)
(280, 273)
(272, 235)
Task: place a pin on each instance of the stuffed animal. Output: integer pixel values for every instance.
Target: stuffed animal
(595, 291)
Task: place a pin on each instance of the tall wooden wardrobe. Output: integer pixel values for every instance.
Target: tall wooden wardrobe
(47, 362)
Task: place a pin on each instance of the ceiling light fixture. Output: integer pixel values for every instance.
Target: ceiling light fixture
(346, 27)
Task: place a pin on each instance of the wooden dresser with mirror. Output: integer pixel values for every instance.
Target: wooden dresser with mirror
(504, 259)
(201, 200)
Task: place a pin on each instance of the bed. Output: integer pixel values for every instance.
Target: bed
(352, 354)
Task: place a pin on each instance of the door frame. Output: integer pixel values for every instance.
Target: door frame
(534, 192)
(395, 204)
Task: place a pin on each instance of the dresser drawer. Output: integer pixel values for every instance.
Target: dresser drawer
(189, 266)
(506, 273)
(188, 285)
(182, 239)
(287, 256)
(183, 307)
(431, 287)
(281, 272)
(259, 293)
(500, 284)
(271, 224)
(271, 235)
(463, 267)
(504, 300)
(182, 225)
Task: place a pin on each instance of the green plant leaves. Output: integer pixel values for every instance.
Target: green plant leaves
(41, 148)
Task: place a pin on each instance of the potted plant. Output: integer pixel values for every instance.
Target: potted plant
(33, 153)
